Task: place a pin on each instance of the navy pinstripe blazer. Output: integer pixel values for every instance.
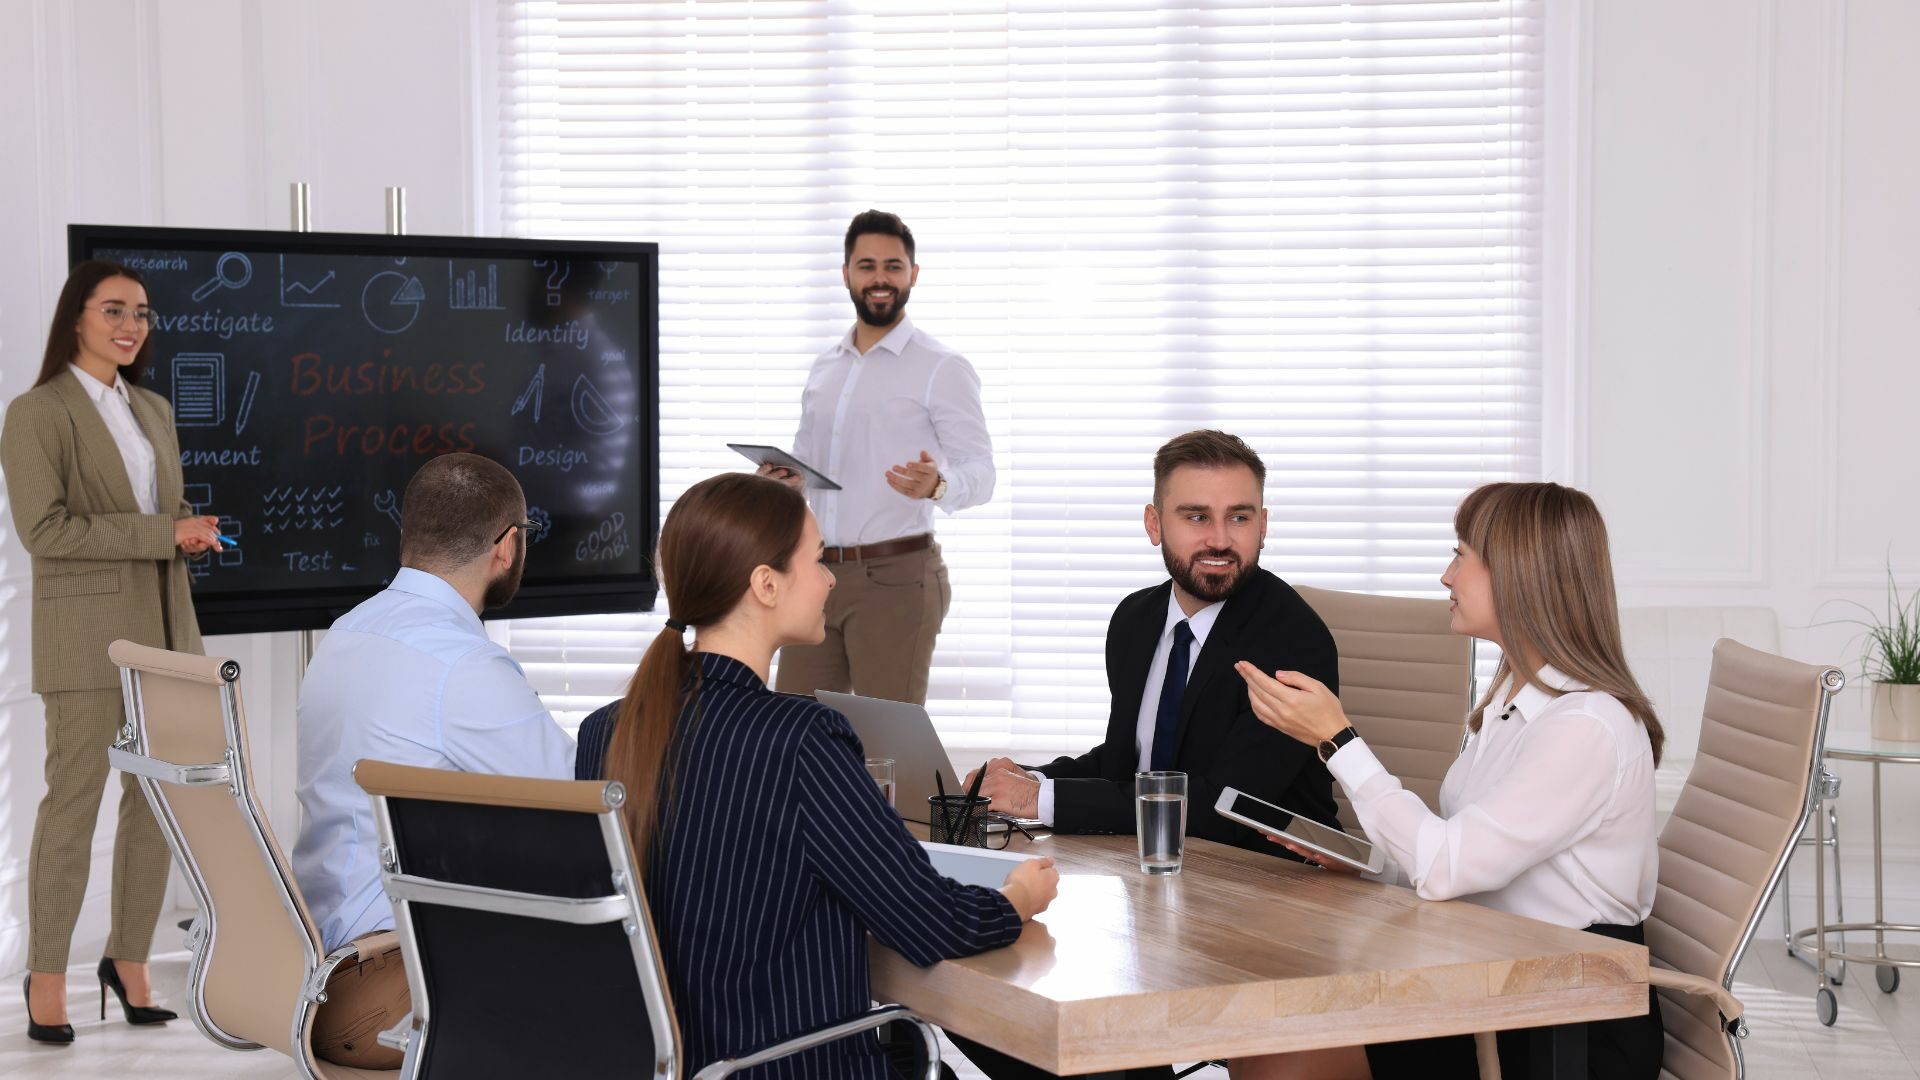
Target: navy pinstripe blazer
(778, 856)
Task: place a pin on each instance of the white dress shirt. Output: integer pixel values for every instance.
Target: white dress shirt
(862, 415)
(409, 676)
(117, 410)
(1547, 813)
(1201, 623)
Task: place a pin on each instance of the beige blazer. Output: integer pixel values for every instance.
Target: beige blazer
(99, 564)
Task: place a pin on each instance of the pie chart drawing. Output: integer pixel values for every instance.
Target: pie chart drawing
(391, 301)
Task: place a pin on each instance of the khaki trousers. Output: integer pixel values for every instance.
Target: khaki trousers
(882, 618)
(81, 724)
(364, 998)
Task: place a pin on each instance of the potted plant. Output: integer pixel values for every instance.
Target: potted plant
(1892, 661)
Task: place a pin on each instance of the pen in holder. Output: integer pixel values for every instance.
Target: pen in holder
(957, 819)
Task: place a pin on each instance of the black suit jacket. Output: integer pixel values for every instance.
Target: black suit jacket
(1222, 744)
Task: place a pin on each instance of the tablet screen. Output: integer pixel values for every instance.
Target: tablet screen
(1325, 838)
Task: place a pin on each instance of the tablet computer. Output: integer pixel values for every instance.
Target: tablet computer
(773, 455)
(1333, 843)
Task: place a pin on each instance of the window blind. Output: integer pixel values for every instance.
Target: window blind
(1315, 225)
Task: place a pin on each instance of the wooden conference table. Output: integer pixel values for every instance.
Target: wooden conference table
(1243, 953)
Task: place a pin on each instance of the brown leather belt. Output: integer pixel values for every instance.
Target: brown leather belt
(906, 545)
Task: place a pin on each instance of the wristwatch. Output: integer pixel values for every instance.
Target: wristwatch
(939, 489)
(1340, 738)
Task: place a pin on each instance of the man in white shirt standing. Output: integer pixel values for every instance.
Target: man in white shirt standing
(410, 676)
(894, 417)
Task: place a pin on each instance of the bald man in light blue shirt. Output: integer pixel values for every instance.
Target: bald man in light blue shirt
(410, 676)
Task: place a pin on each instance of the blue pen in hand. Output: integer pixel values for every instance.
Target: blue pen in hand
(227, 540)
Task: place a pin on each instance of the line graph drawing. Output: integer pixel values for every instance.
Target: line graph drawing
(308, 295)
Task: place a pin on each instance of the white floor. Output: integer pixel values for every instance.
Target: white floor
(1877, 1036)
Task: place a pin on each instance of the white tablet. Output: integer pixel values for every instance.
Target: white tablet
(1349, 849)
(773, 455)
(972, 865)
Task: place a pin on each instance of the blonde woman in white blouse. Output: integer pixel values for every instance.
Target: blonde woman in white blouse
(93, 479)
(1548, 811)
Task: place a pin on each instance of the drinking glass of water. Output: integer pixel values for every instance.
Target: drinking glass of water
(881, 769)
(1160, 812)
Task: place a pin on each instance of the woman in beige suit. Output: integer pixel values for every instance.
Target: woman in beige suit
(93, 475)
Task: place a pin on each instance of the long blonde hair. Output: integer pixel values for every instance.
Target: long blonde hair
(1545, 549)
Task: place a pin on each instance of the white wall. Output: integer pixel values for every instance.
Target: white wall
(1740, 273)
(199, 113)
(1746, 389)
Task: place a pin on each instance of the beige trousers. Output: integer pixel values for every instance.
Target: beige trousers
(81, 724)
(882, 619)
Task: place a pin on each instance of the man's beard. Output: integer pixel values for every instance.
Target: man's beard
(501, 590)
(885, 316)
(1205, 584)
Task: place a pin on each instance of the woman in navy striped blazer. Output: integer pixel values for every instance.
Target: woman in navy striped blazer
(770, 854)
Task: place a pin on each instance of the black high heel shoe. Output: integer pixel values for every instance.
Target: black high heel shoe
(136, 1014)
(46, 1033)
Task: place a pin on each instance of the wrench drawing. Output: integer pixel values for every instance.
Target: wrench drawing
(385, 503)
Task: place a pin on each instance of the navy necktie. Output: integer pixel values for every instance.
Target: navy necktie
(1166, 726)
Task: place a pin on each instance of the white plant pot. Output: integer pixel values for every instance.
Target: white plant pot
(1896, 711)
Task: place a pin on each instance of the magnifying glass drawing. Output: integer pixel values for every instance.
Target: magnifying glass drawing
(222, 279)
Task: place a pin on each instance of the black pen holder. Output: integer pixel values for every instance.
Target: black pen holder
(957, 819)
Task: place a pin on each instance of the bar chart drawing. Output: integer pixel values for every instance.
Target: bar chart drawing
(199, 389)
(466, 293)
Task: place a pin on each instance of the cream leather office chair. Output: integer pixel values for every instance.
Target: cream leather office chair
(257, 970)
(1406, 682)
(1752, 790)
(1670, 650)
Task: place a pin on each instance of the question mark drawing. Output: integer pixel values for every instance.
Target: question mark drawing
(557, 271)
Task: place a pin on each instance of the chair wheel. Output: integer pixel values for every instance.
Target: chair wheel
(1888, 977)
(1826, 1007)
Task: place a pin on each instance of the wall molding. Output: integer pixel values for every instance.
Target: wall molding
(146, 63)
(1832, 571)
(1566, 270)
(1756, 345)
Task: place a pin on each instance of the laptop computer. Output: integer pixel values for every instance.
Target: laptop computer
(904, 732)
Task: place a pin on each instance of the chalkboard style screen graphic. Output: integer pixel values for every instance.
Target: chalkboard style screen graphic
(312, 373)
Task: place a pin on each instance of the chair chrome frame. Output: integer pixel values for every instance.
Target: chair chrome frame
(129, 754)
(625, 906)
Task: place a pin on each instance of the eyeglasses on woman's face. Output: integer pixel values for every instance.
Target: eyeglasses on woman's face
(117, 314)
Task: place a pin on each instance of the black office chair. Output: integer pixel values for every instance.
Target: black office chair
(528, 945)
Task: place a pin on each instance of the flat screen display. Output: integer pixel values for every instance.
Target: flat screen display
(311, 374)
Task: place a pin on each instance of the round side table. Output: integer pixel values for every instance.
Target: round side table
(1857, 746)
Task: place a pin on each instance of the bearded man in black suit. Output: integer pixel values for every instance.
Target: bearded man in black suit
(1177, 701)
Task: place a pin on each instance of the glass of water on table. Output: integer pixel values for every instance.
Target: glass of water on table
(881, 769)
(1160, 813)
